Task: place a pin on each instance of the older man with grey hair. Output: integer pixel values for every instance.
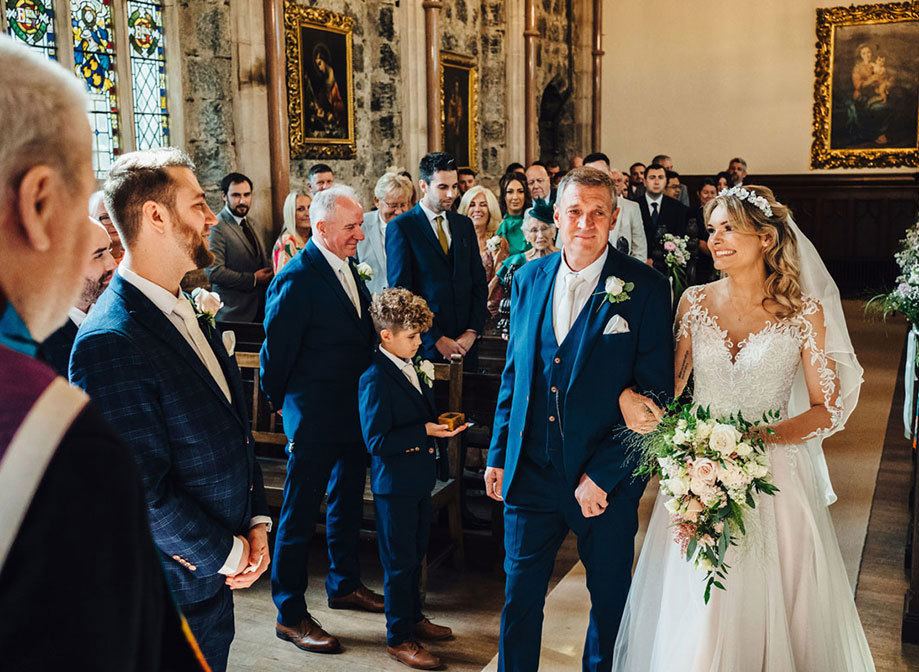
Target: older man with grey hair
(318, 342)
(80, 585)
(392, 195)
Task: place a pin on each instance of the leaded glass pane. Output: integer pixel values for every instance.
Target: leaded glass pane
(32, 22)
(94, 63)
(148, 73)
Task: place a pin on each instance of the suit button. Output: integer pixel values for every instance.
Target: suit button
(551, 418)
(558, 361)
(521, 435)
(193, 568)
(251, 488)
(431, 451)
(553, 389)
(176, 558)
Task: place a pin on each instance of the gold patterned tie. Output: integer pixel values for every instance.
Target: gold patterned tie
(441, 234)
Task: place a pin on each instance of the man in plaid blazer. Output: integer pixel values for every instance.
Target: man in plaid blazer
(155, 366)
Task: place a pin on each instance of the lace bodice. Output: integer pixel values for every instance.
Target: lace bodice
(760, 376)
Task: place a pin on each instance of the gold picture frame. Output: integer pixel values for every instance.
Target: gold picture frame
(459, 110)
(866, 88)
(320, 83)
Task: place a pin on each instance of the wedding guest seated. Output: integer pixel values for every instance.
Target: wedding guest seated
(704, 266)
(737, 169)
(399, 423)
(392, 195)
(296, 229)
(480, 205)
(539, 229)
(620, 182)
(636, 180)
(538, 181)
(466, 179)
(320, 178)
(660, 214)
(515, 198)
(722, 181)
(673, 187)
(98, 212)
(667, 163)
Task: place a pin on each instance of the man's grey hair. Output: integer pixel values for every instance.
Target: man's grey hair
(739, 160)
(587, 176)
(324, 202)
(41, 104)
(138, 177)
(392, 181)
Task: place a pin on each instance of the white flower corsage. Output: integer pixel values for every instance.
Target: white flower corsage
(206, 304)
(425, 370)
(365, 271)
(616, 290)
(493, 244)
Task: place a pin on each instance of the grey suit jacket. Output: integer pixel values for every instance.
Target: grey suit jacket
(372, 251)
(630, 228)
(232, 274)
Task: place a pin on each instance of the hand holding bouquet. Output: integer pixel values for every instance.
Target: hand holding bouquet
(712, 470)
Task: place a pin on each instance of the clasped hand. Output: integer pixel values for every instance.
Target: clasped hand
(255, 555)
(448, 347)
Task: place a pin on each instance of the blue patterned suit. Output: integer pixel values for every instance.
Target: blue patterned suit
(558, 418)
(315, 350)
(193, 447)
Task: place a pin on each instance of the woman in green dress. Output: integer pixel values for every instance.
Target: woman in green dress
(514, 200)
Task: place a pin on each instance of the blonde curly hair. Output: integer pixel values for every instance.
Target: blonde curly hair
(398, 309)
(783, 275)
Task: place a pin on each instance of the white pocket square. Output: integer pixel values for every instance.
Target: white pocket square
(229, 341)
(616, 325)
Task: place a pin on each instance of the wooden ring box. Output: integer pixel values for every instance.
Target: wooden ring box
(452, 420)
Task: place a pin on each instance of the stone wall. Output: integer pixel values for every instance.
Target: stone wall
(554, 66)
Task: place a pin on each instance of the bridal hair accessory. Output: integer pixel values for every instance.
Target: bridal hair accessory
(750, 197)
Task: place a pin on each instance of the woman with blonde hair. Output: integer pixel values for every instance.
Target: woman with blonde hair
(296, 229)
(481, 206)
(769, 336)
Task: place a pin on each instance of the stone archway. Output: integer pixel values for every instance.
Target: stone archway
(556, 121)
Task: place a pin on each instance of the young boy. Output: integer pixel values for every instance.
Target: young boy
(397, 418)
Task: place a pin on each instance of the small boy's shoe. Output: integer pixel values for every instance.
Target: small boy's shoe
(424, 629)
(414, 655)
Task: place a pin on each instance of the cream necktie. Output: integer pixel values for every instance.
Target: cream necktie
(344, 275)
(441, 234)
(409, 370)
(184, 309)
(567, 313)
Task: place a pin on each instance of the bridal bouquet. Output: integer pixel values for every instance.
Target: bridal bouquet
(712, 470)
(676, 256)
(904, 298)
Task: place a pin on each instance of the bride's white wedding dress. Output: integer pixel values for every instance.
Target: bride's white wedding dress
(788, 606)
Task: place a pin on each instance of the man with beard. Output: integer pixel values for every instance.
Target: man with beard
(56, 348)
(241, 270)
(178, 397)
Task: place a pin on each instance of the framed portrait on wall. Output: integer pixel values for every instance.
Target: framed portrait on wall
(866, 89)
(459, 107)
(320, 93)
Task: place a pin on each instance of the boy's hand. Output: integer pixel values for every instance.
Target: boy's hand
(441, 431)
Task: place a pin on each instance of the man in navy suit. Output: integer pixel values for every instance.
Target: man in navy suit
(557, 459)
(318, 340)
(162, 376)
(434, 253)
(660, 214)
(99, 269)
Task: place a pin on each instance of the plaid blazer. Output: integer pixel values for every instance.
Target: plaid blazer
(194, 449)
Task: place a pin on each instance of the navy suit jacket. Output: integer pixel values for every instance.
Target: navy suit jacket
(393, 414)
(193, 448)
(315, 350)
(56, 348)
(453, 285)
(603, 367)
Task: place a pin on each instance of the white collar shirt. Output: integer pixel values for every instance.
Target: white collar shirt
(649, 198)
(445, 222)
(342, 270)
(76, 316)
(406, 367)
(589, 277)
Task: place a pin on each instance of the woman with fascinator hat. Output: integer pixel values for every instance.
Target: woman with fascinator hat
(538, 229)
(770, 335)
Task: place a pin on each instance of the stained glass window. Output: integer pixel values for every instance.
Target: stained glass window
(32, 22)
(94, 63)
(148, 73)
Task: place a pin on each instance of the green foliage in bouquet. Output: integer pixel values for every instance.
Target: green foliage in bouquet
(904, 298)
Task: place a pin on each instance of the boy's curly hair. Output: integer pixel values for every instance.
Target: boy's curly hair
(398, 309)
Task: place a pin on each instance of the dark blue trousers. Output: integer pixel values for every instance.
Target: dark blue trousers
(538, 513)
(211, 622)
(403, 532)
(313, 468)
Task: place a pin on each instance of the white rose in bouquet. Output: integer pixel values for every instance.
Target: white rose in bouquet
(677, 485)
(704, 429)
(743, 449)
(724, 439)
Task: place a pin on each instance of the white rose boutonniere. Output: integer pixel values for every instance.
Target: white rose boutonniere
(365, 271)
(425, 370)
(616, 290)
(206, 304)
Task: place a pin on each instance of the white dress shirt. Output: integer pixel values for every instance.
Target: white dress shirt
(76, 316)
(342, 270)
(406, 367)
(589, 277)
(445, 224)
(166, 301)
(659, 199)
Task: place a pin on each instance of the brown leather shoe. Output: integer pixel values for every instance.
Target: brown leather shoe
(424, 629)
(414, 655)
(362, 599)
(308, 635)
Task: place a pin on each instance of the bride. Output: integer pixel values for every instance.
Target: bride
(770, 335)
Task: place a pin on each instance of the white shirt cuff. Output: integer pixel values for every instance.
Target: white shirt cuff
(258, 520)
(232, 562)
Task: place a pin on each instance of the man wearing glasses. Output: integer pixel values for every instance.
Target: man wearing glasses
(392, 196)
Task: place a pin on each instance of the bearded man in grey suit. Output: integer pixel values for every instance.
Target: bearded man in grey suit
(241, 270)
(392, 195)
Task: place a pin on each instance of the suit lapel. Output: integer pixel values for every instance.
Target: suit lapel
(325, 270)
(543, 290)
(600, 310)
(390, 367)
(365, 297)
(237, 230)
(230, 372)
(427, 231)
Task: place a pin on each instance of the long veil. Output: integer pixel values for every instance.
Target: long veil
(817, 283)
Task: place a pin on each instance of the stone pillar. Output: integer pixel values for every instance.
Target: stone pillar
(531, 146)
(515, 74)
(598, 60)
(582, 11)
(278, 144)
(432, 70)
(412, 74)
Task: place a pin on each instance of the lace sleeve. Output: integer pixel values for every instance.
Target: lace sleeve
(684, 313)
(682, 328)
(819, 369)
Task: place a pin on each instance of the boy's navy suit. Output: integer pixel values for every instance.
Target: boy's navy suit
(402, 475)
